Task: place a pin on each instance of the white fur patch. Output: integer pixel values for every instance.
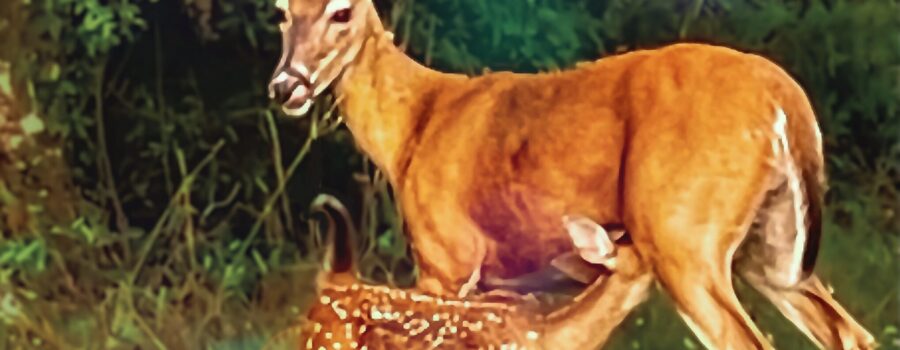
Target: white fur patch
(783, 149)
(298, 112)
(336, 5)
(281, 77)
(471, 284)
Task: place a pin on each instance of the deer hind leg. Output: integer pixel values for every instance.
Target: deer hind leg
(705, 298)
(779, 254)
(687, 224)
(690, 249)
(810, 306)
(771, 262)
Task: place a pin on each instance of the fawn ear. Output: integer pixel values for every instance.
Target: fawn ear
(339, 254)
(592, 242)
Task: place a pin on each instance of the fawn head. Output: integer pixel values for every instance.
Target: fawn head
(319, 39)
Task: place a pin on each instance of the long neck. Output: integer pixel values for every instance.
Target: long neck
(378, 94)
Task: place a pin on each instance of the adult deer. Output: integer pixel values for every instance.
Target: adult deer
(348, 314)
(696, 150)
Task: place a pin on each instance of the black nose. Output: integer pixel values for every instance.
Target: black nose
(281, 91)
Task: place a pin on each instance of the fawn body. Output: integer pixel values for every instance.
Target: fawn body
(695, 149)
(348, 314)
(361, 316)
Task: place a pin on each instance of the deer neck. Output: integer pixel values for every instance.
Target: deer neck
(378, 93)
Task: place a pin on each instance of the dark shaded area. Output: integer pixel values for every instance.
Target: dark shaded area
(193, 228)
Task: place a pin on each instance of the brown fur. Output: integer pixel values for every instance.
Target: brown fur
(676, 144)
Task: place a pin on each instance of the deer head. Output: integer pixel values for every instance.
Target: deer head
(320, 38)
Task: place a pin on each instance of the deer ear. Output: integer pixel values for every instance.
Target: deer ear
(591, 241)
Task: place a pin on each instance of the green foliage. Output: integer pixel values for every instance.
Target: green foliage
(252, 18)
(197, 233)
(468, 35)
(22, 255)
(104, 25)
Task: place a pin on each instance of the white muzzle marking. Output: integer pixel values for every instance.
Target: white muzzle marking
(298, 112)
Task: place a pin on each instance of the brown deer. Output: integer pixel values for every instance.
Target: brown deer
(710, 158)
(348, 314)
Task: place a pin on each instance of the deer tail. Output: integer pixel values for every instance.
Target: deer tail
(815, 196)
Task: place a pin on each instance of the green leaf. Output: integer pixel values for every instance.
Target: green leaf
(260, 262)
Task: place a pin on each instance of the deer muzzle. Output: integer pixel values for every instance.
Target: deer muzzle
(292, 90)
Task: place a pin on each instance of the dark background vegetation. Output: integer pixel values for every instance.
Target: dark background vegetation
(151, 196)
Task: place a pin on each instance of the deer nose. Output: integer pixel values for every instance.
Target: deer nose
(280, 91)
(282, 86)
(290, 88)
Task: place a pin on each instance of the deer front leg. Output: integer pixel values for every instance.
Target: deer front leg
(449, 262)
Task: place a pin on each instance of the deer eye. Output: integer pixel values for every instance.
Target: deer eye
(341, 16)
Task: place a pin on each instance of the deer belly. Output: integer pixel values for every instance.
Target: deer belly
(525, 228)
